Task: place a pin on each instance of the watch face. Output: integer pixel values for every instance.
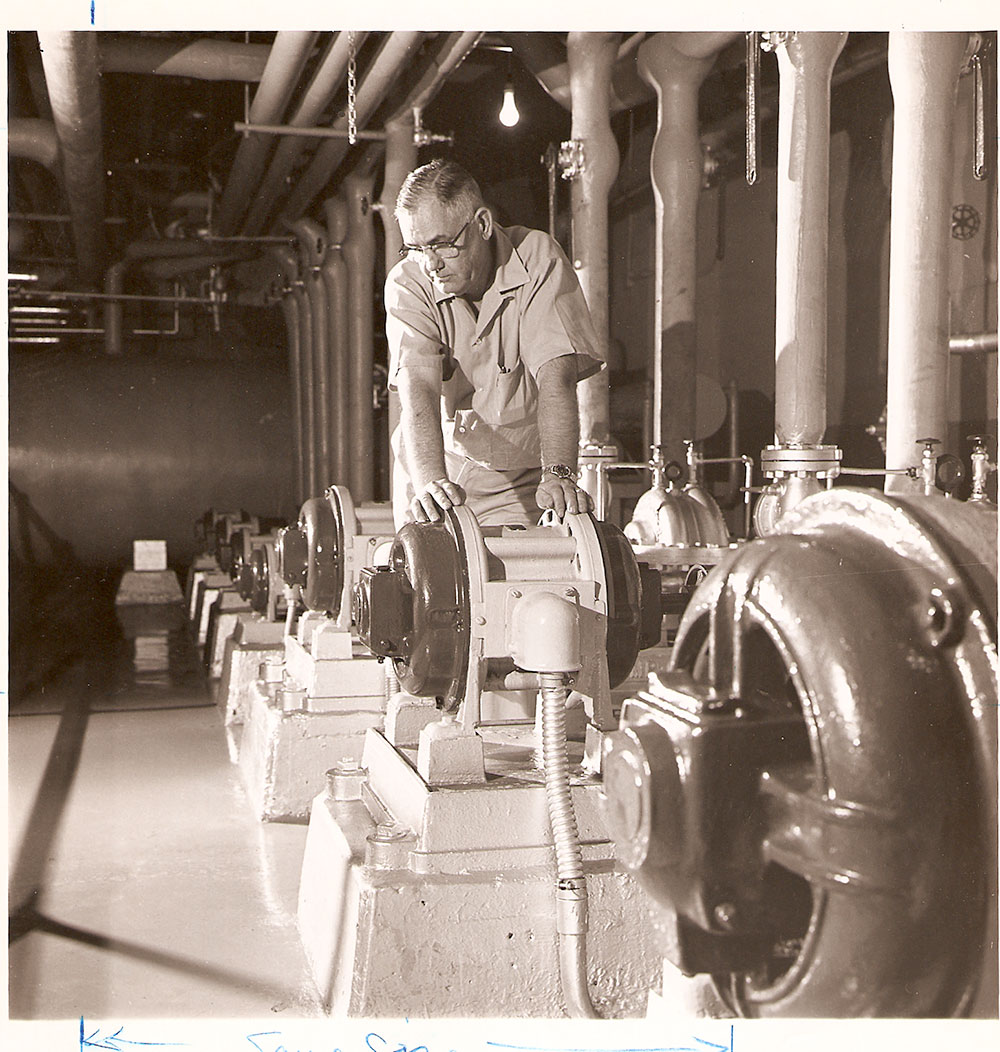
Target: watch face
(561, 471)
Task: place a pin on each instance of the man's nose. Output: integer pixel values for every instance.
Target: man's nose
(432, 261)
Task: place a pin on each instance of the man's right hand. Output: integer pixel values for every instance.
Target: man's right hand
(435, 498)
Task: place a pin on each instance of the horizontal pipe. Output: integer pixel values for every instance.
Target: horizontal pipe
(48, 294)
(40, 217)
(34, 140)
(308, 133)
(198, 59)
(973, 344)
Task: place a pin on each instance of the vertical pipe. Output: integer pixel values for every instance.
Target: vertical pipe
(338, 338)
(291, 315)
(288, 55)
(675, 65)
(805, 64)
(72, 78)
(306, 374)
(923, 72)
(359, 252)
(114, 282)
(591, 58)
(312, 242)
(400, 160)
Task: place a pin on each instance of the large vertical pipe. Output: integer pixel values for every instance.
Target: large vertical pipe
(805, 64)
(923, 72)
(283, 287)
(281, 74)
(338, 338)
(359, 252)
(312, 243)
(307, 374)
(400, 160)
(591, 58)
(675, 65)
(72, 78)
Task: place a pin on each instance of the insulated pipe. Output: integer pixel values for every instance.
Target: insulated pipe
(306, 373)
(198, 59)
(312, 245)
(317, 96)
(374, 87)
(923, 73)
(805, 64)
(114, 283)
(675, 64)
(338, 338)
(359, 252)
(288, 270)
(71, 74)
(591, 58)
(34, 140)
(288, 55)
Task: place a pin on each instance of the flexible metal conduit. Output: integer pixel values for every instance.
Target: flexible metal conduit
(923, 73)
(34, 140)
(571, 885)
(315, 99)
(71, 75)
(281, 75)
(374, 87)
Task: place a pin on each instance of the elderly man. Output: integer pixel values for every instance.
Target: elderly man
(488, 334)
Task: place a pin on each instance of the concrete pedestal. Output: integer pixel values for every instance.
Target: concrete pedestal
(224, 615)
(421, 901)
(206, 592)
(253, 641)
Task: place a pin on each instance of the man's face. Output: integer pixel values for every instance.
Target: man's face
(470, 271)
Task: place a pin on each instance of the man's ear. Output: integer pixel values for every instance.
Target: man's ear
(484, 220)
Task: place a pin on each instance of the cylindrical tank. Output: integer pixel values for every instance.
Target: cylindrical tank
(106, 451)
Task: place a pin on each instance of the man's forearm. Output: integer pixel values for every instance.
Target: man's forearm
(558, 416)
(420, 424)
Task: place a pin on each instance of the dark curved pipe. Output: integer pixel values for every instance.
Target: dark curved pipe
(34, 140)
(199, 59)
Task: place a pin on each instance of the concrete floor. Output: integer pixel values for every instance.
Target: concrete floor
(140, 885)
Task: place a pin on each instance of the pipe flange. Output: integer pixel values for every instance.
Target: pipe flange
(816, 461)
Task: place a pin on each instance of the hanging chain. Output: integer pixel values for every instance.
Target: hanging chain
(352, 85)
(752, 115)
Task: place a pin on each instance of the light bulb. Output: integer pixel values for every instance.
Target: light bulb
(508, 111)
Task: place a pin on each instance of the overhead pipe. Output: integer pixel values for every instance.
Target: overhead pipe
(676, 64)
(33, 139)
(320, 91)
(338, 337)
(312, 253)
(204, 59)
(375, 85)
(282, 289)
(591, 57)
(923, 73)
(545, 58)
(285, 62)
(72, 77)
(359, 253)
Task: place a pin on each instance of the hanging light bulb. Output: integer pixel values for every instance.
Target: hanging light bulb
(508, 111)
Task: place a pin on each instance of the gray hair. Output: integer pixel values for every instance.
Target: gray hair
(439, 180)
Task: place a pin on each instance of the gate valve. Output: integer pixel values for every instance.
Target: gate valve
(981, 467)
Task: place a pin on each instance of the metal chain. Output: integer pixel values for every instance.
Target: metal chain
(752, 114)
(979, 140)
(352, 84)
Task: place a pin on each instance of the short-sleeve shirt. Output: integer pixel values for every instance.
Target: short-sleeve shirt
(533, 311)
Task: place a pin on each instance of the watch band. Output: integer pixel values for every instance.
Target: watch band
(561, 471)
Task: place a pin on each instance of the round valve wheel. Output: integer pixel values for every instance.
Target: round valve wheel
(860, 852)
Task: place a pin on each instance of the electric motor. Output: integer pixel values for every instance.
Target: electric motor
(808, 793)
(443, 607)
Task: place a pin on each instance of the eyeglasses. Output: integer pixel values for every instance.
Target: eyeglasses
(443, 249)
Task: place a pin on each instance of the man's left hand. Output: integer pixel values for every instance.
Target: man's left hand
(562, 495)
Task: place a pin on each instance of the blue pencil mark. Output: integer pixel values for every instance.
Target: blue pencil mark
(700, 1045)
(92, 12)
(115, 1041)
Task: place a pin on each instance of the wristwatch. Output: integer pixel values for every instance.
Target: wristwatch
(561, 471)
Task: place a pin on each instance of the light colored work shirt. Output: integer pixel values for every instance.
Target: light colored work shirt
(488, 362)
